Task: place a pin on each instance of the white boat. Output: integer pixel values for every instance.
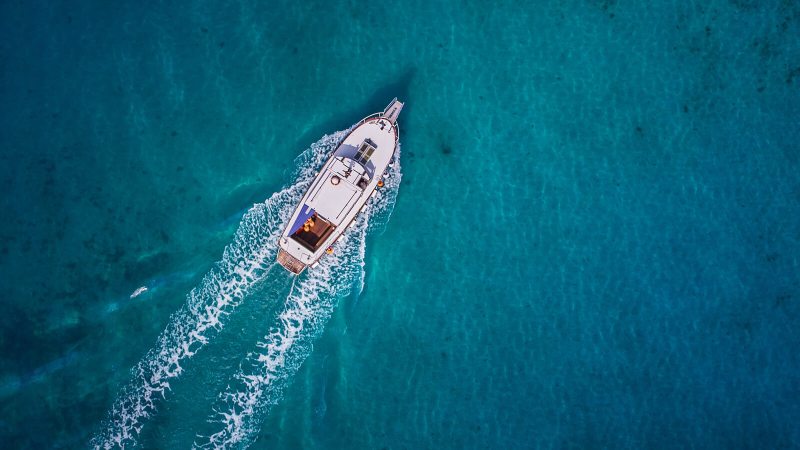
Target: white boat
(340, 190)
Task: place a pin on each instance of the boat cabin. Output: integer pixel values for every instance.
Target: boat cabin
(310, 229)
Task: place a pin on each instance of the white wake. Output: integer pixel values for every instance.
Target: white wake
(245, 262)
(265, 373)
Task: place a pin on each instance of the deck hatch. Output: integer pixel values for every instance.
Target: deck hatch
(365, 151)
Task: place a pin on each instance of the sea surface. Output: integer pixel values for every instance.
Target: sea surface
(590, 237)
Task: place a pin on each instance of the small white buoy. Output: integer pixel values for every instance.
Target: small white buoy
(139, 291)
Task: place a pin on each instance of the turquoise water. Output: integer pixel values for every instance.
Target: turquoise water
(594, 243)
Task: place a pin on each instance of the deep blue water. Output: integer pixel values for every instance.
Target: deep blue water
(594, 243)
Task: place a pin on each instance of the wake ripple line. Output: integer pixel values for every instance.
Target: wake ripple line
(265, 373)
(245, 262)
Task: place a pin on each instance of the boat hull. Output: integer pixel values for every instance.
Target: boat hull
(340, 190)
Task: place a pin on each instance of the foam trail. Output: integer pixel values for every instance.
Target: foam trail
(266, 372)
(245, 262)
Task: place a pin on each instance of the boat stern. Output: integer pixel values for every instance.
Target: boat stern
(289, 262)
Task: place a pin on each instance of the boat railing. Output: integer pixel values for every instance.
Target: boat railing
(395, 125)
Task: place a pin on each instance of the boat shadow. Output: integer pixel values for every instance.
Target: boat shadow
(375, 103)
(342, 119)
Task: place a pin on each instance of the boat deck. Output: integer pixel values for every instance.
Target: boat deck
(333, 199)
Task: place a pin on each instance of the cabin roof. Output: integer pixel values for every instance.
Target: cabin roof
(333, 200)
